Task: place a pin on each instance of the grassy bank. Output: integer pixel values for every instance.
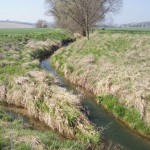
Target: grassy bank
(112, 63)
(17, 135)
(24, 84)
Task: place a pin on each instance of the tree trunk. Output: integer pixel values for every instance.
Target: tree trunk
(88, 34)
(84, 33)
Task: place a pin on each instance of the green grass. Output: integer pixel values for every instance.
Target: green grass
(23, 35)
(112, 62)
(12, 42)
(46, 139)
(11, 70)
(129, 115)
(29, 86)
(40, 105)
(130, 30)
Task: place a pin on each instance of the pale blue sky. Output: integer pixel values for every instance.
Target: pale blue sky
(23, 10)
(32, 10)
(133, 11)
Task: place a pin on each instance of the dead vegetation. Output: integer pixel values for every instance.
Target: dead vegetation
(18, 135)
(111, 64)
(26, 85)
(59, 110)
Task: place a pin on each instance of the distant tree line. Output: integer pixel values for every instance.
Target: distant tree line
(81, 15)
(41, 24)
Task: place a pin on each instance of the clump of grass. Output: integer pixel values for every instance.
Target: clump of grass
(40, 105)
(5, 117)
(70, 68)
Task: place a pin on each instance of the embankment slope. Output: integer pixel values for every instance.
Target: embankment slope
(24, 84)
(115, 67)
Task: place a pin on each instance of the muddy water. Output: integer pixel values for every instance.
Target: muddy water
(28, 121)
(114, 130)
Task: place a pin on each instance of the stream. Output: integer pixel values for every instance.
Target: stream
(114, 129)
(28, 120)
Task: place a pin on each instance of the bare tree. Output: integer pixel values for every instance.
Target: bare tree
(81, 15)
(41, 24)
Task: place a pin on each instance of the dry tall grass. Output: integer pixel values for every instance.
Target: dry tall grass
(116, 64)
(34, 89)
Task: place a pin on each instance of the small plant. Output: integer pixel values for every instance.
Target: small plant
(70, 68)
(109, 101)
(5, 117)
(23, 146)
(120, 110)
(40, 105)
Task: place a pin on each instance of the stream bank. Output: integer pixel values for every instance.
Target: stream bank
(19, 131)
(25, 85)
(35, 90)
(27, 120)
(114, 129)
(115, 70)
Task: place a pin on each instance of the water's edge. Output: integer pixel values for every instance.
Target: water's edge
(115, 130)
(28, 120)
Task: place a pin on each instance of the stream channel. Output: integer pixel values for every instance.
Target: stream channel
(115, 130)
(28, 120)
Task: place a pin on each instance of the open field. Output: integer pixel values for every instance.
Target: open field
(34, 33)
(131, 30)
(115, 67)
(14, 25)
(24, 84)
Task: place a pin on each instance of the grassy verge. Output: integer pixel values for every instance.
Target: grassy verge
(16, 136)
(129, 115)
(24, 84)
(112, 63)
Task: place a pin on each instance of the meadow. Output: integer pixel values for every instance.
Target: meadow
(14, 41)
(14, 134)
(24, 84)
(124, 30)
(114, 65)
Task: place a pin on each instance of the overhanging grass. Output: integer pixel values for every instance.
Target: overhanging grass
(129, 115)
(112, 63)
(45, 139)
(27, 85)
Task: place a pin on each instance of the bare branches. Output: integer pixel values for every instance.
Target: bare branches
(81, 15)
(41, 24)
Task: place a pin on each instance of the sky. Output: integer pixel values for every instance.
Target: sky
(23, 10)
(32, 10)
(133, 11)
